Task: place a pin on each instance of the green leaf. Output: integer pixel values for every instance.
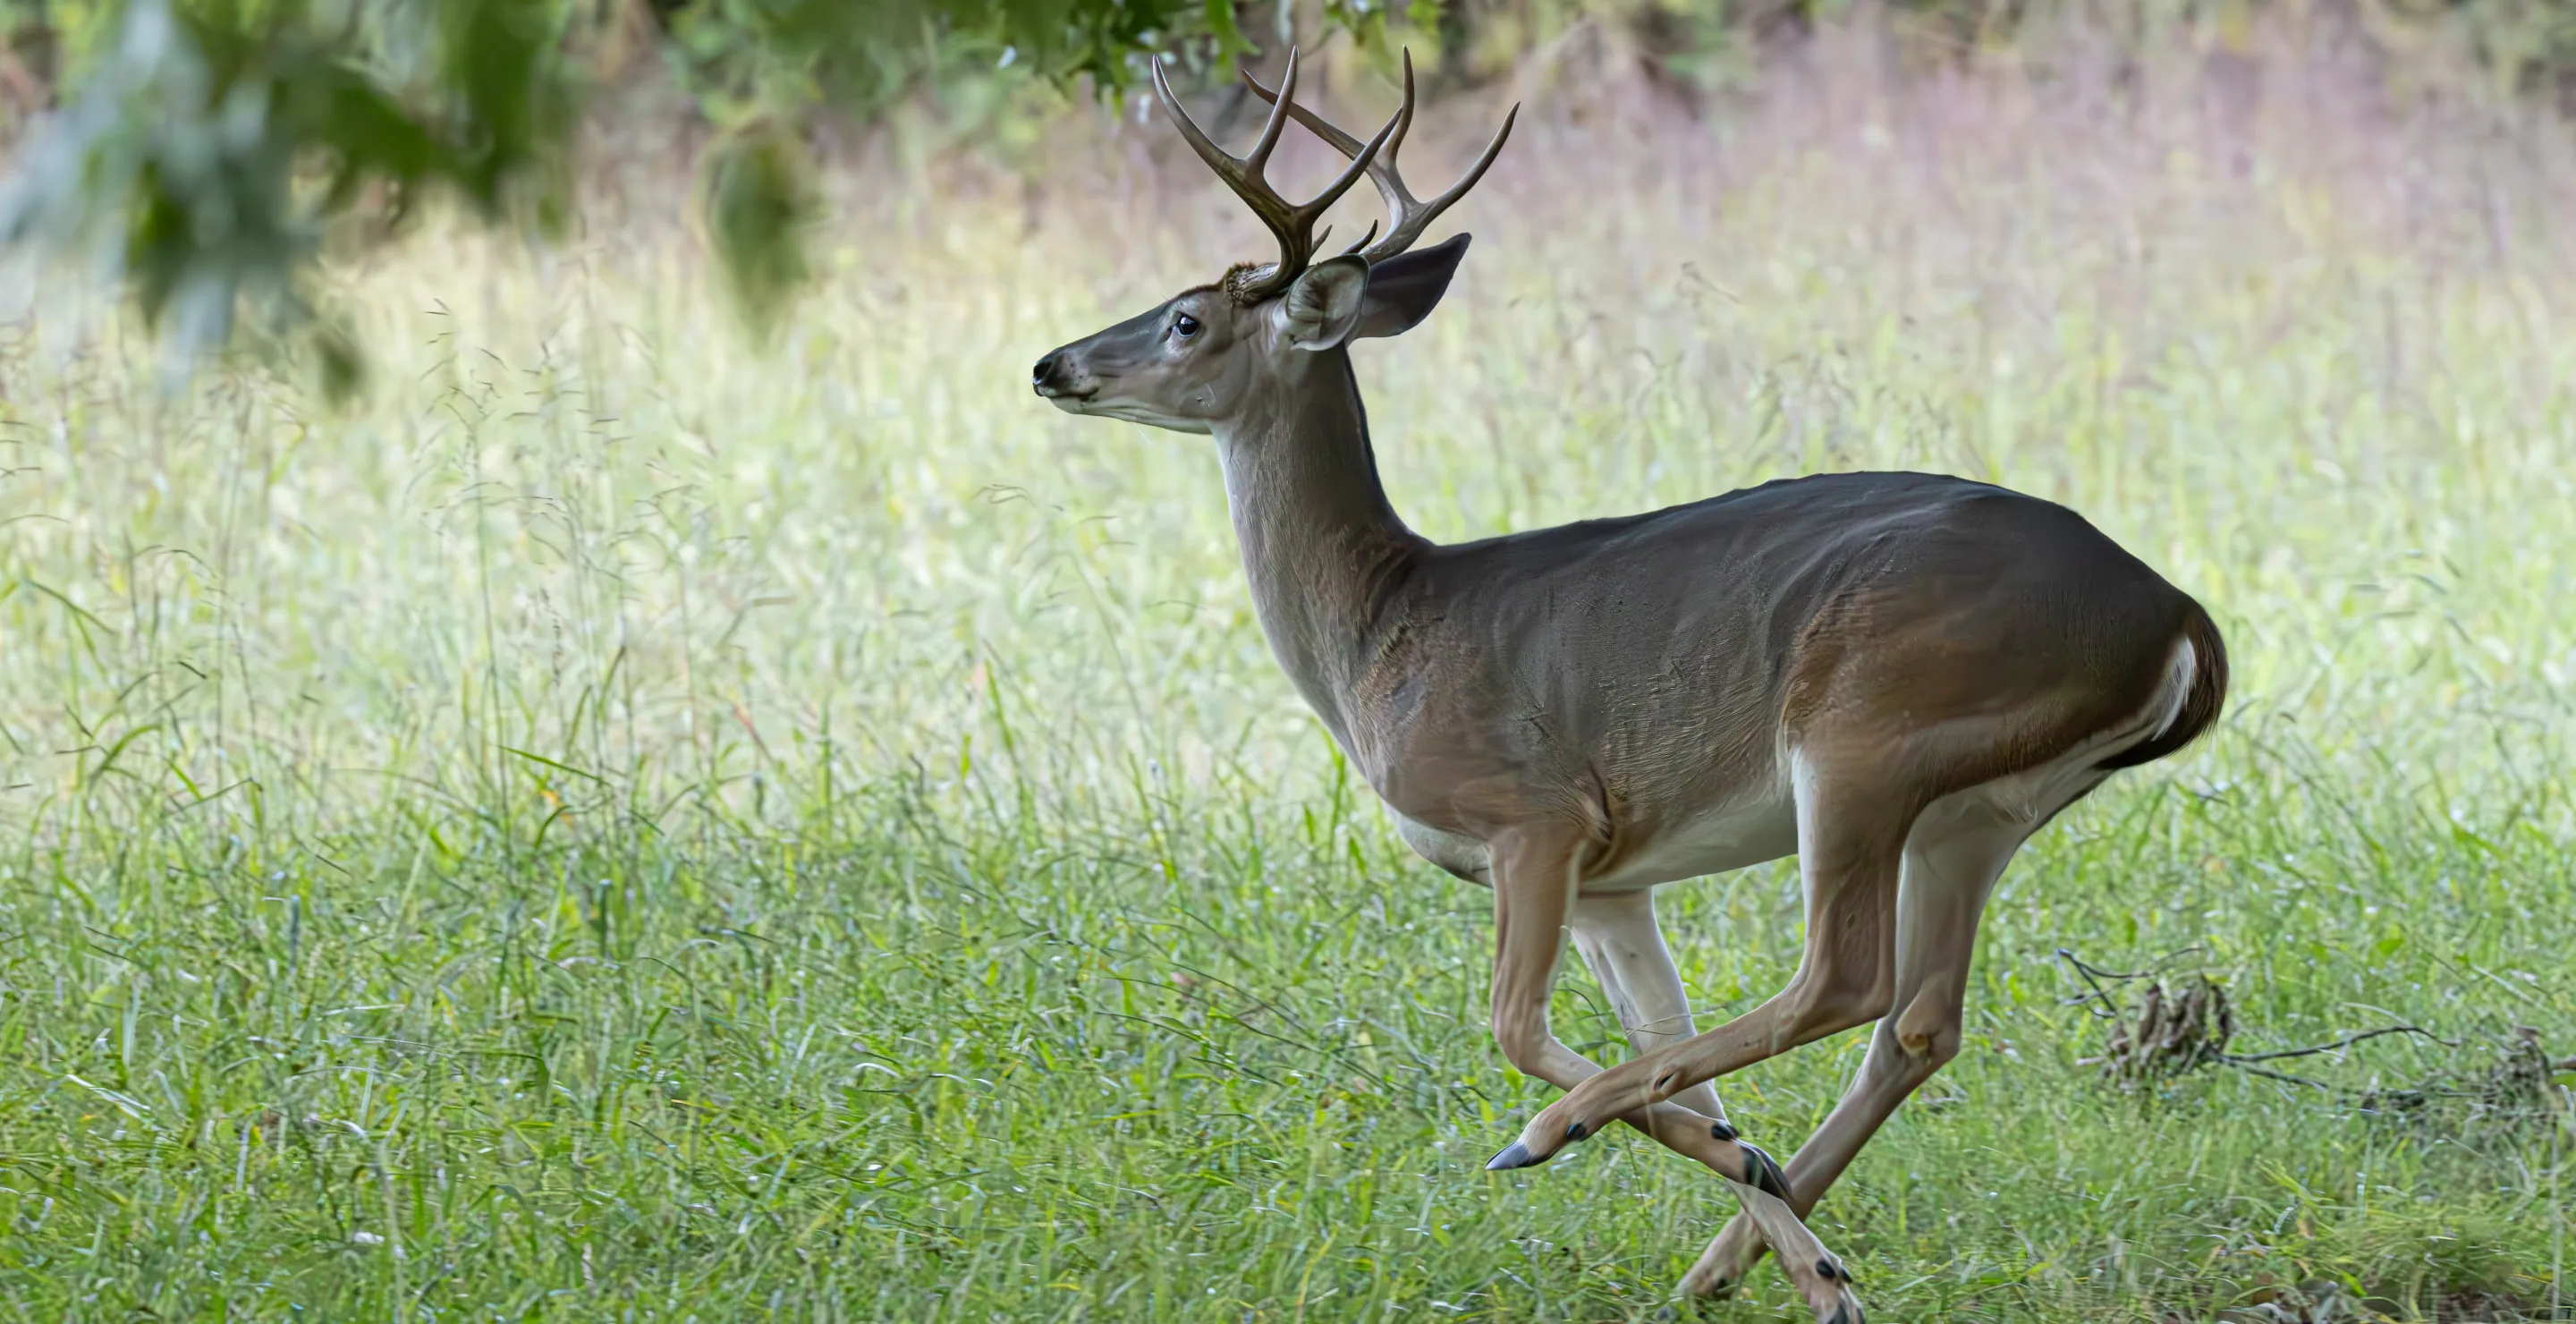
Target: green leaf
(761, 203)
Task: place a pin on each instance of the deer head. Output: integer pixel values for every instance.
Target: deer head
(1193, 362)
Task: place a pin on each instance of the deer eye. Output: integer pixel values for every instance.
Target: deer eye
(1185, 326)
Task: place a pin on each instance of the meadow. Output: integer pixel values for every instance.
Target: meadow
(625, 823)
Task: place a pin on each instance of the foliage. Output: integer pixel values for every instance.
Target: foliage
(743, 54)
(212, 145)
(759, 204)
(208, 147)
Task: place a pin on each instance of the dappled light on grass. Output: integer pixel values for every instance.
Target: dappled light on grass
(625, 818)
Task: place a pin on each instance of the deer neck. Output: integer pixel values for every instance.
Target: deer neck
(1322, 546)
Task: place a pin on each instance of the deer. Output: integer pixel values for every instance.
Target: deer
(1897, 678)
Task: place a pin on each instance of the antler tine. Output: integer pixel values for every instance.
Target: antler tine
(1407, 216)
(1402, 236)
(1259, 157)
(1389, 184)
(1226, 167)
(1293, 225)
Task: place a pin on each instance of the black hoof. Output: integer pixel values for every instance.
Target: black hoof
(1518, 1156)
(1762, 1174)
(1574, 1132)
(1720, 1131)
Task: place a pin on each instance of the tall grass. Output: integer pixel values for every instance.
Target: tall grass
(625, 826)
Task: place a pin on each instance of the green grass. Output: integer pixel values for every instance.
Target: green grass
(623, 827)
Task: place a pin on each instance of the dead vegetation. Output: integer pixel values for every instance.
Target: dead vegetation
(2171, 1031)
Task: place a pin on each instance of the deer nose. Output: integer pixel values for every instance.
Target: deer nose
(1042, 377)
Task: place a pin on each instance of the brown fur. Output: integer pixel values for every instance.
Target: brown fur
(1237, 284)
(2199, 710)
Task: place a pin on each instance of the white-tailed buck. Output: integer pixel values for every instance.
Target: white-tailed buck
(1899, 677)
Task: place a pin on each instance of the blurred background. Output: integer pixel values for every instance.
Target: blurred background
(572, 740)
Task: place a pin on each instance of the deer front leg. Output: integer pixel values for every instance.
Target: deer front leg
(1624, 946)
(1621, 942)
(1534, 885)
(1534, 880)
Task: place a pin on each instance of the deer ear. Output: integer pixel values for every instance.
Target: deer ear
(1403, 289)
(1324, 305)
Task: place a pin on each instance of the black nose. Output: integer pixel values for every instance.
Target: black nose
(1042, 377)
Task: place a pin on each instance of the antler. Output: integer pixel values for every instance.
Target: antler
(1406, 215)
(1293, 224)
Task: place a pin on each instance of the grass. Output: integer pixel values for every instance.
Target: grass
(624, 827)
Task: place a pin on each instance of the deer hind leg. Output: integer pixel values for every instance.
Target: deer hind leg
(1956, 851)
(1851, 838)
(1534, 884)
(1851, 835)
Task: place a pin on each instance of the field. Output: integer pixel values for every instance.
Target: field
(622, 824)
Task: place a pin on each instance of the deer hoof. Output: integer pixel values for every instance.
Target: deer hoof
(1518, 1156)
(1846, 1306)
(1764, 1175)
